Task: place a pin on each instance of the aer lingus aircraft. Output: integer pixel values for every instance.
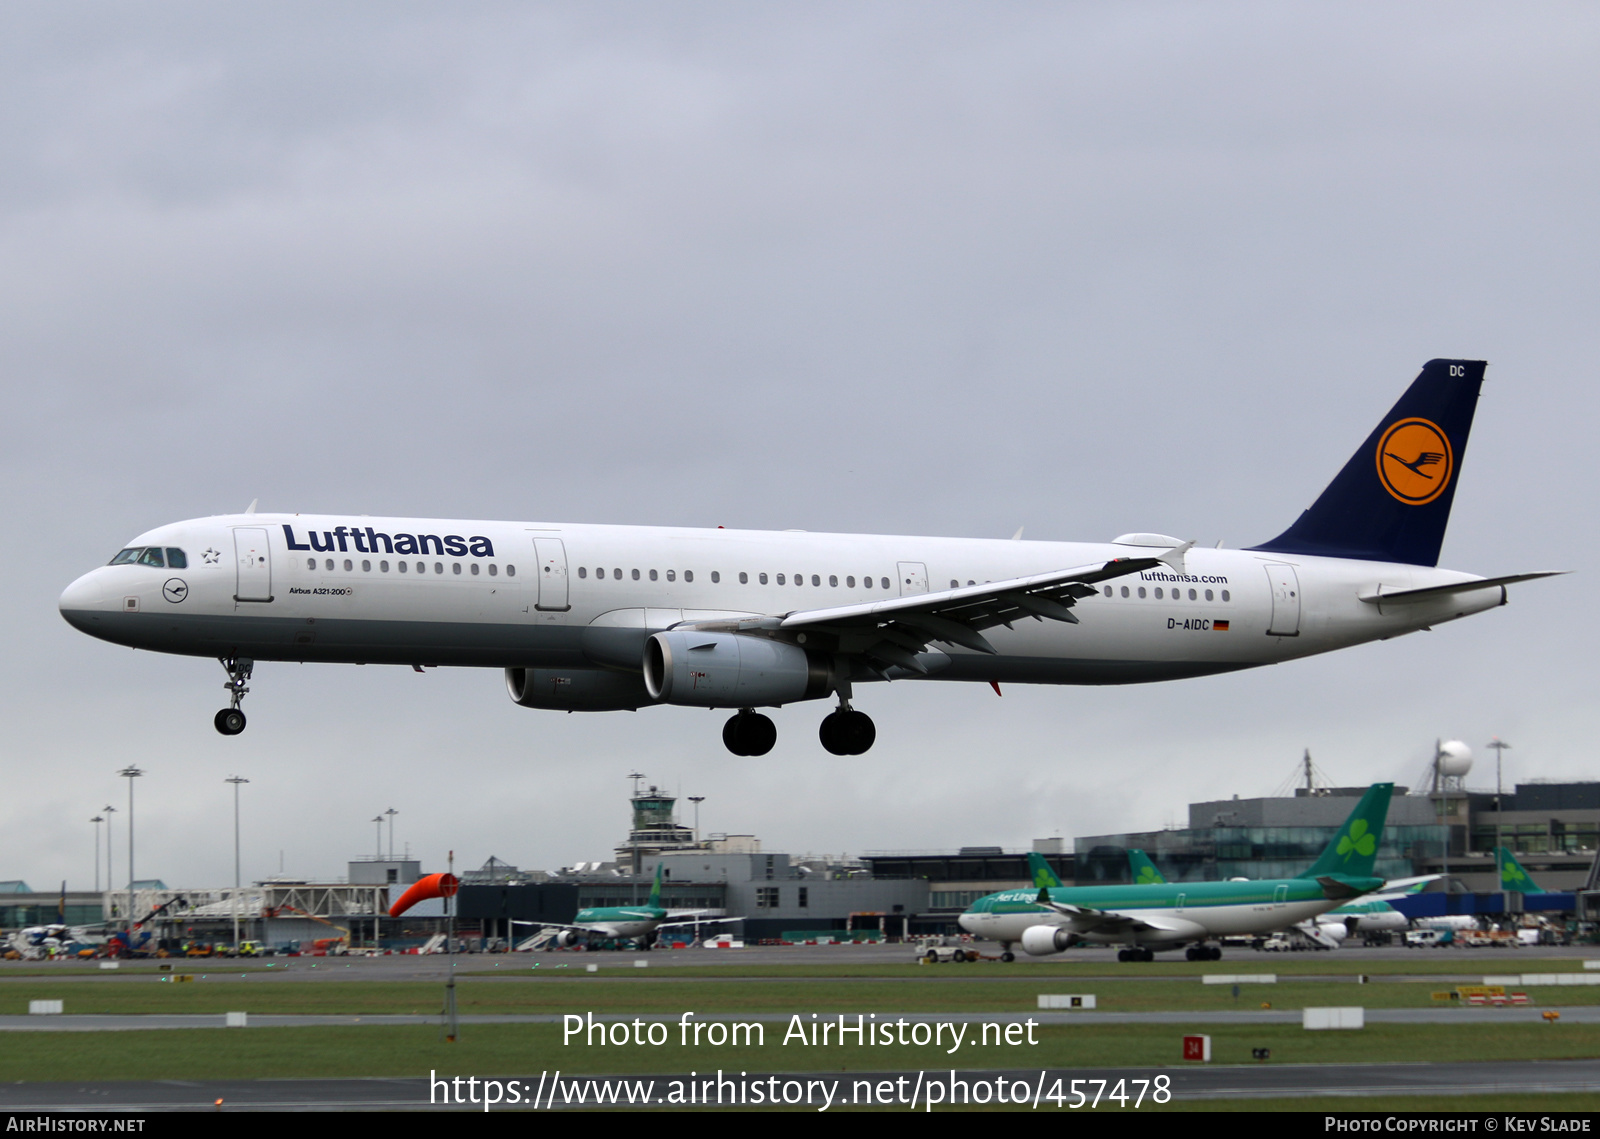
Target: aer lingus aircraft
(604, 618)
(1168, 915)
(1513, 878)
(631, 923)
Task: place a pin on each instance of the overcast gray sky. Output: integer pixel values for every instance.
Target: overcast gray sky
(916, 268)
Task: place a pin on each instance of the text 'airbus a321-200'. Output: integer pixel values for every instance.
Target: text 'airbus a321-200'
(587, 618)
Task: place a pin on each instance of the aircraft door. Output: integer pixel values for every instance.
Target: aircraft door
(1285, 601)
(1280, 896)
(913, 578)
(552, 557)
(254, 560)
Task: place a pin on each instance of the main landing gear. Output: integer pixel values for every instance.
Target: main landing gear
(1126, 955)
(230, 721)
(847, 732)
(749, 733)
(1204, 953)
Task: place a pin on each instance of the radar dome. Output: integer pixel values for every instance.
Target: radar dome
(1455, 758)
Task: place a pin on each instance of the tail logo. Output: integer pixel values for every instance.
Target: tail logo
(1415, 461)
(1358, 841)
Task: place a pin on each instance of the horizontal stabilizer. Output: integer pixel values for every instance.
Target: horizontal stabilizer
(1379, 594)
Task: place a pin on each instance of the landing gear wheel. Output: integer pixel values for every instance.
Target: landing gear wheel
(1008, 957)
(847, 732)
(229, 721)
(1195, 953)
(749, 733)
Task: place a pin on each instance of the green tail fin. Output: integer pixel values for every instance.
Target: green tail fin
(1355, 847)
(1043, 876)
(1513, 878)
(655, 890)
(1144, 871)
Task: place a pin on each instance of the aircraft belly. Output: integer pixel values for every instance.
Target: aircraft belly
(347, 640)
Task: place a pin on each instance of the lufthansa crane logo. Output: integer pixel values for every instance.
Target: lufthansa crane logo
(175, 590)
(1415, 461)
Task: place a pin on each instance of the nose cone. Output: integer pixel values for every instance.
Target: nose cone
(83, 602)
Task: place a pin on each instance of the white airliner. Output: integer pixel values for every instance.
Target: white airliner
(605, 618)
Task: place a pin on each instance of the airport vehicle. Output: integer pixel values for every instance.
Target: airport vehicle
(606, 618)
(631, 923)
(1149, 918)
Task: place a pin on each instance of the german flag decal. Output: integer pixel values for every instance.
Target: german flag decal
(1220, 626)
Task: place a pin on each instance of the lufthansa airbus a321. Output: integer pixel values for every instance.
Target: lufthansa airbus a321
(605, 618)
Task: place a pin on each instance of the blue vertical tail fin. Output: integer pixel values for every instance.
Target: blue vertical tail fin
(1391, 501)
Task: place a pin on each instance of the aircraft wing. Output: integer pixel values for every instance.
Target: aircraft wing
(693, 917)
(1083, 919)
(892, 632)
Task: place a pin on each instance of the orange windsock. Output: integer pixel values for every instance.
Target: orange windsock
(431, 886)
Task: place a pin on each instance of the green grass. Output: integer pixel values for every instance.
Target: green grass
(216, 993)
(523, 1050)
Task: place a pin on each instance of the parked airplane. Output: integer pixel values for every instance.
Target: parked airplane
(635, 923)
(1373, 913)
(606, 618)
(1148, 918)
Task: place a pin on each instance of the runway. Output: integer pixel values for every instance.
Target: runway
(1187, 1084)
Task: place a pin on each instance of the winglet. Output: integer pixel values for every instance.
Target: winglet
(1174, 557)
(251, 509)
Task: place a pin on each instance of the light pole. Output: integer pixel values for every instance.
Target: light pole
(235, 780)
(378, 855)
(109, 810)
(697, 800)
(391, 812)
(1500, 748)
(130, 773)
(97, 820)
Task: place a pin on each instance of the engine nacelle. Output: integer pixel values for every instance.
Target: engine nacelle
(575, 689)
(731, 670)
(567, 938)
(1042, 940)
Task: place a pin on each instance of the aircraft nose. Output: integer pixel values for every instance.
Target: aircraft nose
(83, 600)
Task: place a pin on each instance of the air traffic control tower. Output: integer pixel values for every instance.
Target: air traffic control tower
(655, 829)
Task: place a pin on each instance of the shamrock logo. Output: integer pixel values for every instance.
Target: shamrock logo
(1358, 841)
(1512, 872)
(1148, 876)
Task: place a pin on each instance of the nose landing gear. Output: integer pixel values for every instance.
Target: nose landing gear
(749, 733)
(230, 721)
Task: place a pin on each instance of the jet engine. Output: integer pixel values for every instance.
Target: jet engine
(575, 689)
(567, 938)
(731, 670)
(1042, 940)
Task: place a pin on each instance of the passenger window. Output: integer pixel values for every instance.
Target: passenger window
(366, 566)
(455, 567)
(1124, 591)
(652, 575)
(583, 571)
(1141, 591)
(799, 579)
(383, 567)
(1209, 596)
(474, 569)
(152, 557)
(850, 582)
(311, 563)
(1108, 591)
(672, 575)
(403, 567)
(422, 567)
(716, 577)
(349, 565)
(511, 571)
(635, 575)
(1158, 593)
(884, 582)
(1192, 595)
(1225, 595)
(782, 580)
(494, 569)
(688, 575)
(328, 564)
(972, 583)
(954, 584)
(438, 567)
(616, 572)
(176, 558)
(763, 579)
(744, 578)
(833, 581)
(816, 580)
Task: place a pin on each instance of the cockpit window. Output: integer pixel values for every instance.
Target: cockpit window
(126, 557)
(176, 558)
(152, 557)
